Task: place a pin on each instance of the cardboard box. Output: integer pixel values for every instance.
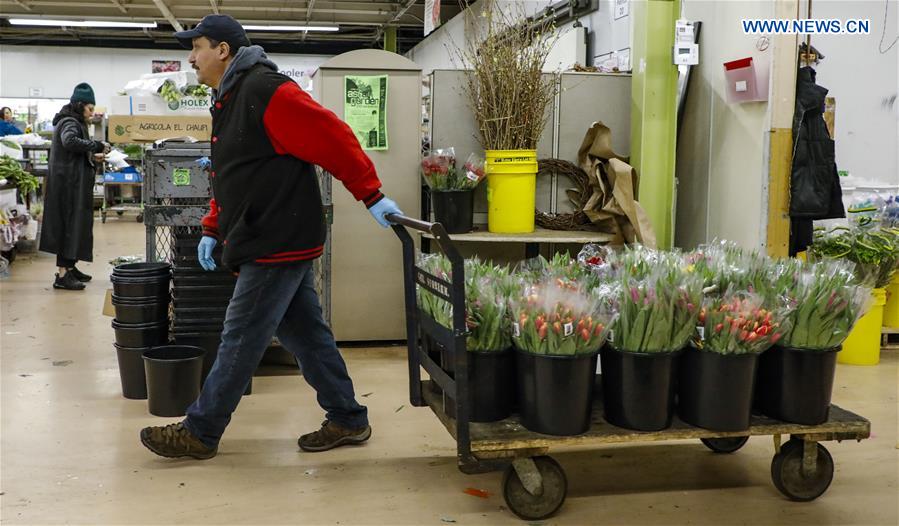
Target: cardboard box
(155, 105)
(108, 307)
(149, 128)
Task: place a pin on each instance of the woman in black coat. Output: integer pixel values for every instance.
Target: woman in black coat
(68, 209)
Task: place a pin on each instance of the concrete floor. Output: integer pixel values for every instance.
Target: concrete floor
(71, 454)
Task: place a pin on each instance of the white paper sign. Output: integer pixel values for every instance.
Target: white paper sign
(622, 8)
(516, 330)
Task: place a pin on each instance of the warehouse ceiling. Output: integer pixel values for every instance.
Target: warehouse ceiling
(361, 22)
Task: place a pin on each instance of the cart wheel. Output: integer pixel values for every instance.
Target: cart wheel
(725, 445)
(791, 480)
(536, 507)
(140, 218)
(119, 213)
(103, 217)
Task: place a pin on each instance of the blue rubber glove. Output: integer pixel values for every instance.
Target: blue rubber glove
(204, 252)
(204, 163)
(382, 208)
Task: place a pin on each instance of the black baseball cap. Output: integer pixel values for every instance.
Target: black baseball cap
(221, 28)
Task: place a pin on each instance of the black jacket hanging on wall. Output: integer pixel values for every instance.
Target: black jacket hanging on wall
(814, 183)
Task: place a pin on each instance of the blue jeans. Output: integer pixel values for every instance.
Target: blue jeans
(271, 300)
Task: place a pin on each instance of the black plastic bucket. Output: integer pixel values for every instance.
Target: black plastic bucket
(141, 270)
(715, 390)
(204, 292)
(141, 334)
(199, 303)
(639, 388)
(210, 345)
(124, 287)
(131, 372)
(174, 375)
(555, 393)
(201, 313)
(491, 386)
(795, 385)
(453, 210)
(208, 342)
(134, 312)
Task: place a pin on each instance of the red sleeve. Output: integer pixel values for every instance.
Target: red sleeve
(210, 221)
(299, 126)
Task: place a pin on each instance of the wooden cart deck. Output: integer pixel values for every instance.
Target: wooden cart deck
(509, 434)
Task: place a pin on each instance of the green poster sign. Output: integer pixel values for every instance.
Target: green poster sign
(365, 110)
(181, 176)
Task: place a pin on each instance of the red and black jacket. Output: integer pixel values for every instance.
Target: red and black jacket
(267, 135)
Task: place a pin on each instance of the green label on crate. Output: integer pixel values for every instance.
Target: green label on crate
(181, 176)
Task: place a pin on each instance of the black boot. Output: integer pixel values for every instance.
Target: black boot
(68, 282)
(80, 276)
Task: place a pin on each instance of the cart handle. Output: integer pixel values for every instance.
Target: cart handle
(435, 229)
(416, 224)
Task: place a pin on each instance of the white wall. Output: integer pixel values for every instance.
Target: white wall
(861, 79)
(722, 166)
(609, 37)
(57, 70)
(438, 50)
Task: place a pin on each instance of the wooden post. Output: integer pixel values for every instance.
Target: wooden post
(782, 106)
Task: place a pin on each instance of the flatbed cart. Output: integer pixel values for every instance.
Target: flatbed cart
(534, 484)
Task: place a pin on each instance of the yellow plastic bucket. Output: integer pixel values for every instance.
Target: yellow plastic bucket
(511, 190)
(862, 347)
(891, 309)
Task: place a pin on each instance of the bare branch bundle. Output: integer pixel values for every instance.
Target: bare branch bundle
(506, 87)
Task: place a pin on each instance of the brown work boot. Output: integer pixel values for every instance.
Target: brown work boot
(173, 441)
(332, 435)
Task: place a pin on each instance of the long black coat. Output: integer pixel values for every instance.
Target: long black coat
(68, 209)
(814, 184)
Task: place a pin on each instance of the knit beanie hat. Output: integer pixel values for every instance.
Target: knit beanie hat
(83, 93)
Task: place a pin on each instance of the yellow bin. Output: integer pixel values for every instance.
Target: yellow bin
(862, 347)
(511, 190)
(891, 309)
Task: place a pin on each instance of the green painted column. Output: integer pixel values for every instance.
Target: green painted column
(390, 39)
(654, 111)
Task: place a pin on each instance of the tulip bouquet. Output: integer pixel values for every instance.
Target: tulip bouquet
(441, 310)
(738, 323)
(487, 292)
(488, 289)
(826, 303)
(559, 317)
(656, 313)
(725, 266)
(561, 266)
(440, 172)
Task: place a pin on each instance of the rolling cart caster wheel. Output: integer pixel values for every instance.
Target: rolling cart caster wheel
(724, 445)
(140, 218)
(548, 498)
(103, 217)
(796, 482)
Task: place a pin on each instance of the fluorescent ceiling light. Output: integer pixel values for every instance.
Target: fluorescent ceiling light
(78, 23)
(291, 28)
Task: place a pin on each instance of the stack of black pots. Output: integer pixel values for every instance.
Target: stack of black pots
(200, 297)
(141, 300)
